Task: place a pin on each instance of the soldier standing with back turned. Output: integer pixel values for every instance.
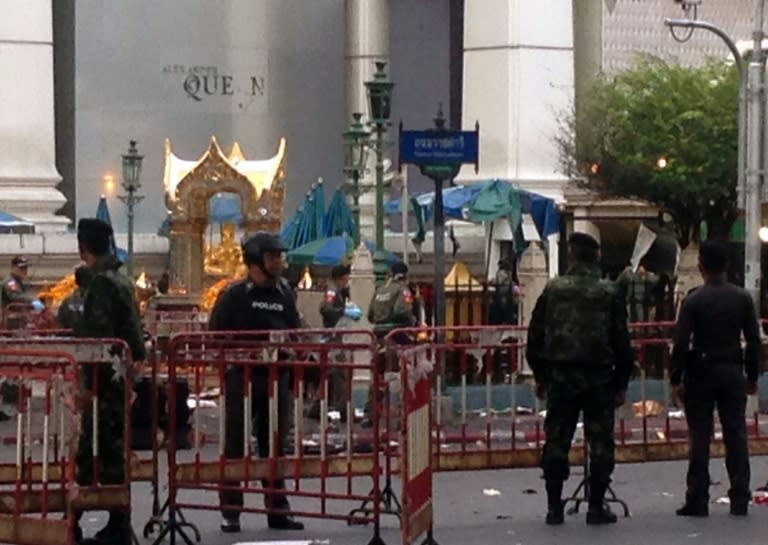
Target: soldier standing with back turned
(580, 354)
(708, 370)
(109, 311)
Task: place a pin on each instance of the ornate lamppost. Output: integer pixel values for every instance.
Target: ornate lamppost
(131, 183)
(355, 161)
(380, 101)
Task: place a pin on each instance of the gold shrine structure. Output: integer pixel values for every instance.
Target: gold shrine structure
(189, 187)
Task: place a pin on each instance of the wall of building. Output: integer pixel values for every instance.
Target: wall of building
(133, 58)
(187, 69)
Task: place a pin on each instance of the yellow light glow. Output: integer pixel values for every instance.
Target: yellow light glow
(662, 162)
(109, 184)
(594, 168)
(306, 280)
(763, 234)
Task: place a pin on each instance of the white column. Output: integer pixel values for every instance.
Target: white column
(366, 41)
(518, 80)
(28, 175)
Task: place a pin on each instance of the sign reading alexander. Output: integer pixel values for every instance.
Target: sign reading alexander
(237, 85)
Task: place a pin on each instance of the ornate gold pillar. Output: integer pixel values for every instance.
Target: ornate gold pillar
(187, 256)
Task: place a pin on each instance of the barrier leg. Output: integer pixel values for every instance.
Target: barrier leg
(581, 494)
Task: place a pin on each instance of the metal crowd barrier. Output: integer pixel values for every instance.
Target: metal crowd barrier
(242, 375)
(481, 423)
(97, 362)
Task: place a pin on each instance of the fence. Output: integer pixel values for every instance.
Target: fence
(101, 404)
(260, 379)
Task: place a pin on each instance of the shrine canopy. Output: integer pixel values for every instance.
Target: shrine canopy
(488, 201)
(260, 173)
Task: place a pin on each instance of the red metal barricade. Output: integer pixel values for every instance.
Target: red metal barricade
(37, 465)
(104, 370)
(483, 423)
(253, 383)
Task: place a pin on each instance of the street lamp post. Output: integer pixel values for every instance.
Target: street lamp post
(380, 97)
(355, 161)
(131, 176)
(751, 138)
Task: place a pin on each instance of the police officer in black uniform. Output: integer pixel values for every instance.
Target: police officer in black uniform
(708, 370)
(261, 301)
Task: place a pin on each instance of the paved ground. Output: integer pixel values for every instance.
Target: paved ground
(466, 515)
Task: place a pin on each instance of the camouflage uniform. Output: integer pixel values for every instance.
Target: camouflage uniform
(71, 309)
(15, 290)
(391, 307)
(332, 309)
(578, 346)
(109, 311)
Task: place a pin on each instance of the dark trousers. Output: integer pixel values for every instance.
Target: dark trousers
(234, 444)
(571, 391)
(722, 386)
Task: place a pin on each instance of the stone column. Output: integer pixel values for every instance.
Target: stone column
(518, 82)
(533, 276)
(688, 276)
(366, 41)
(28, 175)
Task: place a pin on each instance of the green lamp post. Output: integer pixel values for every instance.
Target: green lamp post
(131, 183)
(380, 101)
(355, 161)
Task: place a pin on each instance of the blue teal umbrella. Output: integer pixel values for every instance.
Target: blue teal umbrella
(332, 251)
(318, 198)
(102, 213)
(338, 217)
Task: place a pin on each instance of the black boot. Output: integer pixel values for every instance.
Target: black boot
(599, 512)
(116, 532)
(694, 507)
(555, 509)
(283, 522)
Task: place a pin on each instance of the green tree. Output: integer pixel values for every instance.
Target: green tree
(665, 134)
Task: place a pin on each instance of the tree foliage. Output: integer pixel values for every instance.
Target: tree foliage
(665, 134)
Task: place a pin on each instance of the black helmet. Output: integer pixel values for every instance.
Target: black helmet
(339, 270)
(399, 269)
(261, 242)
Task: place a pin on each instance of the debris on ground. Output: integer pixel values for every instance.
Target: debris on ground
(724, 500)
(760, 497)
(530, 491)
(649, 407)
(491, 492)
(676, 414)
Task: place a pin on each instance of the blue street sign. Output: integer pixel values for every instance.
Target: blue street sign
(438, 147)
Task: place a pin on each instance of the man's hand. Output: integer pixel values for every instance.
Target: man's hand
(541, 391)
(751, 388)
(678, 393)
(621, 398)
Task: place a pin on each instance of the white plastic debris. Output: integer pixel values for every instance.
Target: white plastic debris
(725, 500)
(193, 403)
(677, 414)
(491, 492)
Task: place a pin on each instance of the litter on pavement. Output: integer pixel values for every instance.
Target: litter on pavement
(491, 492)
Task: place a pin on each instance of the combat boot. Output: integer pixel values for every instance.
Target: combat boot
(599, 512)
(555, 506)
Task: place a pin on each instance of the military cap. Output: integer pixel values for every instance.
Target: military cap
(94, 227)
(399, 269)
(19, 261)
(339, 270)
(584, 240)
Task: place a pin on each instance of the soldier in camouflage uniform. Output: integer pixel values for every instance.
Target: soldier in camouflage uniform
(580, 354)
(16, 290)
(390, 308)
(71, 309)
(392, 303)
(109, 311)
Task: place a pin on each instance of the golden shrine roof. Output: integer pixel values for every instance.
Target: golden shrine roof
(261, 173)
